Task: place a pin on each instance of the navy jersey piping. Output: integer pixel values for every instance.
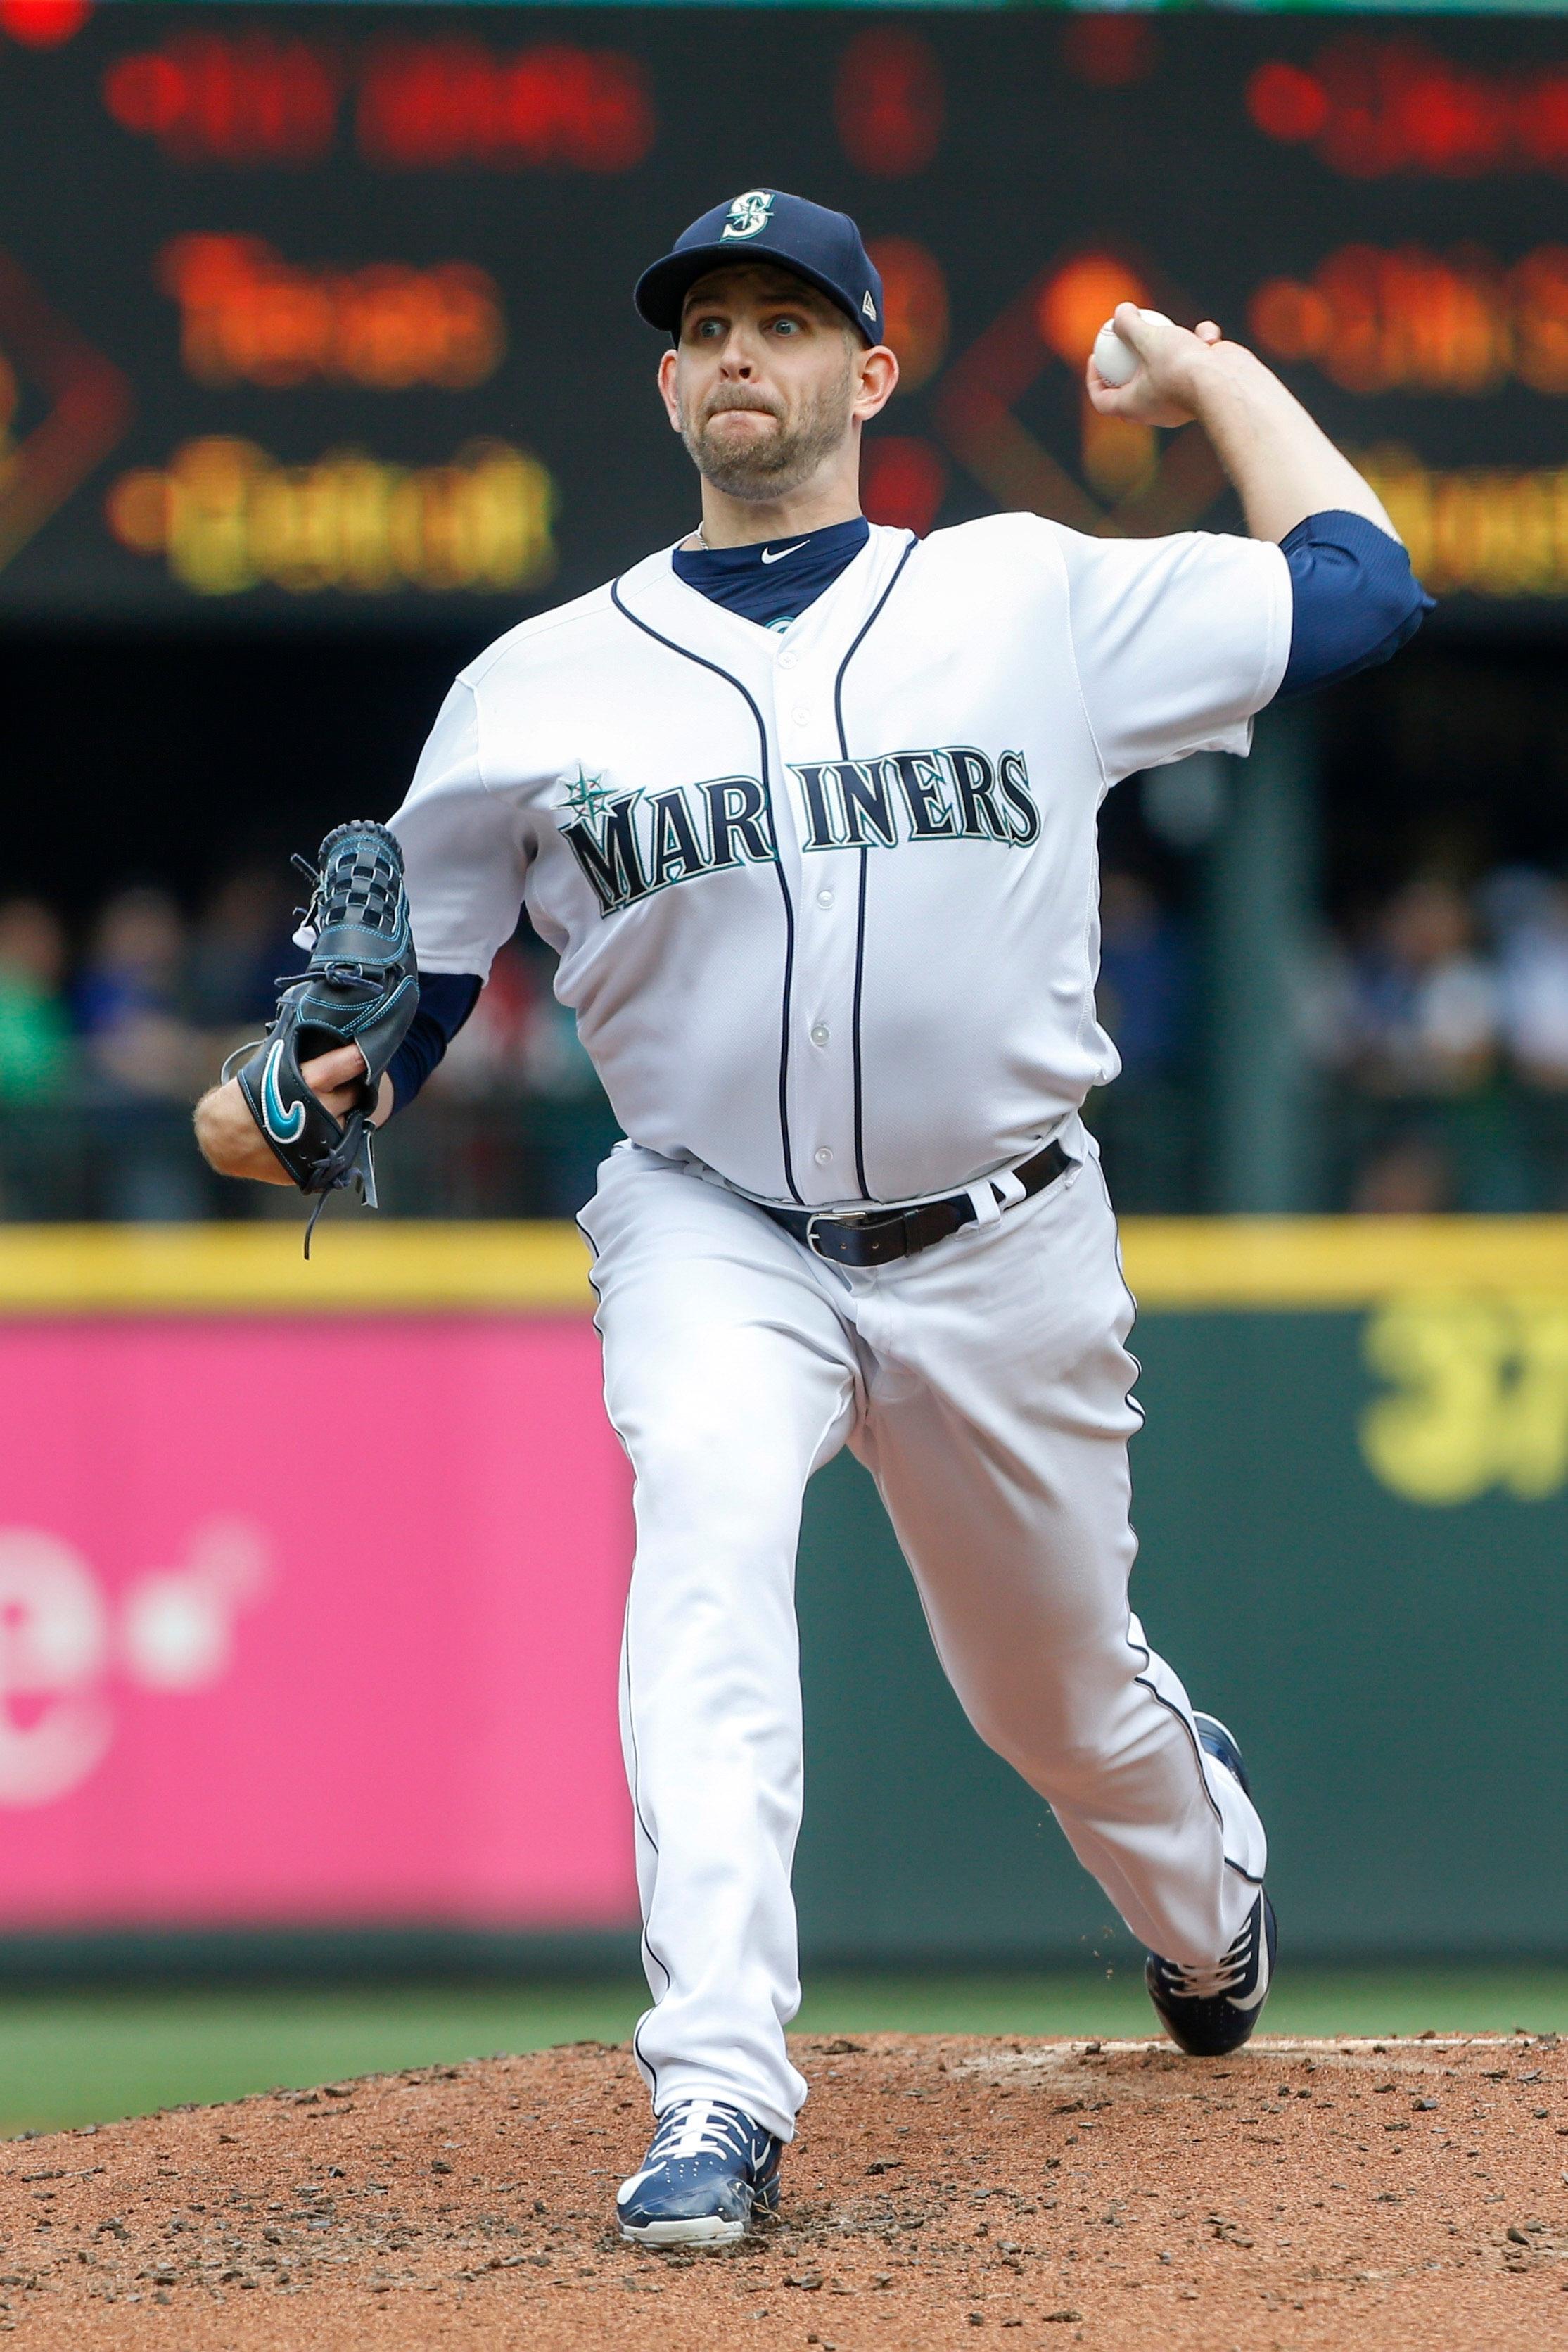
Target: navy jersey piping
(634, 1777)
(703, 663)
(866, 1192)
(861, 1177)
(1171, 1709)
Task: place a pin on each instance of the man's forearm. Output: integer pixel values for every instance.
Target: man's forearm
(1283, 466)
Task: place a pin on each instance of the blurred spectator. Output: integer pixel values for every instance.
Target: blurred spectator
(558, 1063)
(130, 1000)
(1149, 1124)
(1420, 1009)
(1142, 997)
(1414, 1019)
(519, 1039)
(242, 941)
(1411, 1176)
(1529, 916)
(36, 1050)
(489, 1055)
(513, 1122)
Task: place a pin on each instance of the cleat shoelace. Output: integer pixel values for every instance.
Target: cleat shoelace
(700, 2127)
(1219, 1976)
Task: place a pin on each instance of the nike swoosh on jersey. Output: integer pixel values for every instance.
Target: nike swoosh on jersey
(768, 556)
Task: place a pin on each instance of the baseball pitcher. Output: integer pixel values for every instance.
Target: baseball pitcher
(807, 809)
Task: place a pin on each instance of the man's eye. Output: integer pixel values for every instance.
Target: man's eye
(786, 326)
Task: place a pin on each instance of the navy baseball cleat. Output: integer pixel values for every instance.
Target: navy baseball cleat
(708, 2169)
(1210, 2011)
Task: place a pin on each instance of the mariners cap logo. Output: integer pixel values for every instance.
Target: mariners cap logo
(748, 215)
(868, 306)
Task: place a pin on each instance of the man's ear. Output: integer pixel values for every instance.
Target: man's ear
(878, 381)
(667, 389)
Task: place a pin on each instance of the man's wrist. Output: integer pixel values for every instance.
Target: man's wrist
(1220, 373)
(1242, 406)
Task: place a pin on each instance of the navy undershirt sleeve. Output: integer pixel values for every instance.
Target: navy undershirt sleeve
(1354, 599)
(445, 1001)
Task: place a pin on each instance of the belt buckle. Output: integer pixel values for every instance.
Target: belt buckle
(826, 1217)
(819, 1217)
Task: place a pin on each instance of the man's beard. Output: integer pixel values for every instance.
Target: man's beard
(769, 465)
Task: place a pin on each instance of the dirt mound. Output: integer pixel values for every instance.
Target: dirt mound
(1345, 2194)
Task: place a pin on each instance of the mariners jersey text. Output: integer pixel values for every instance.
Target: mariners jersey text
(632, 843)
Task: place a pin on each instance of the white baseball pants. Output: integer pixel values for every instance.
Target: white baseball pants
(984, 1383)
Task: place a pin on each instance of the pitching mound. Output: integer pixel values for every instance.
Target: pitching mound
(1340, 2194)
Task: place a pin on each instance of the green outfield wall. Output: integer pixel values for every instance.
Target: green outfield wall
(1352, 1498)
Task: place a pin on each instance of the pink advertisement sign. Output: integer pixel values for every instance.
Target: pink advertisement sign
(252, 1675)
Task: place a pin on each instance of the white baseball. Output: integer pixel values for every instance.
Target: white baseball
(1117, 361)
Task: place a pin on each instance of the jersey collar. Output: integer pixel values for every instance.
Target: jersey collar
(654, 591)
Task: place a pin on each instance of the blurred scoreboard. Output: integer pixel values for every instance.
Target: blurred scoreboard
(326, 312)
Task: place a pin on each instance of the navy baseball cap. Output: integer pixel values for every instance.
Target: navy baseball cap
(765, 225)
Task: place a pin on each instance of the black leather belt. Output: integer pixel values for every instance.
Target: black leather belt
(879, 1236)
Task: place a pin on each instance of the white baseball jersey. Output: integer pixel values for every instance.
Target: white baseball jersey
(825, 898)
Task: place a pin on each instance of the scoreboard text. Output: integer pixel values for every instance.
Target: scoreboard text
(326, 311)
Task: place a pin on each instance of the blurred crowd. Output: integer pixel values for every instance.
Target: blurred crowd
(107, 1039)
(1434, 1022)
(1440, 1016)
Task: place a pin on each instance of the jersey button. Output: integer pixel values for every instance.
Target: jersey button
(801, 718)
(824, 897)
(823, 1157)
(788, 661)
(819, 1033)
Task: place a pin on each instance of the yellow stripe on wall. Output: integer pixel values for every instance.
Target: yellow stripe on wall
(369, 1266)
(380, 1267)
(1260, 1263)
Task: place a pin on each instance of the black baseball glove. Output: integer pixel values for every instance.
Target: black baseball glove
(361, 987)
